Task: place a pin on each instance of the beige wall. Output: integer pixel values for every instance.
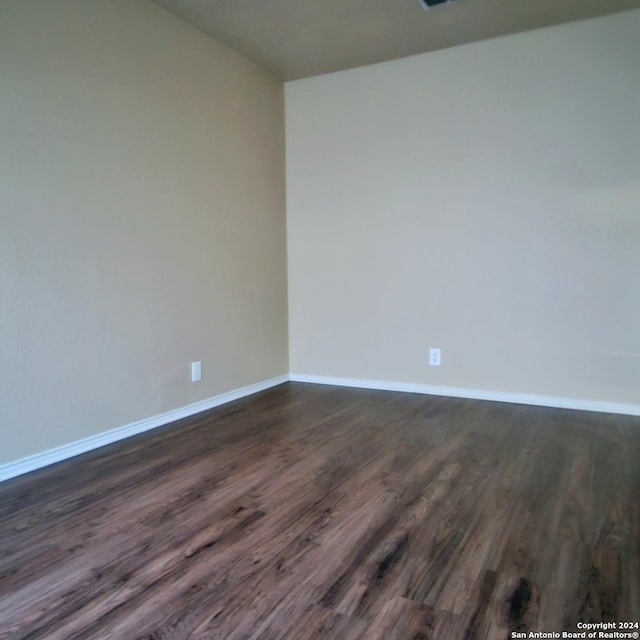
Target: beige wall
(141, 219)
(483, 199)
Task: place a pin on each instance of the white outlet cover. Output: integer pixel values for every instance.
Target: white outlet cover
(434, 357)
(196, 371)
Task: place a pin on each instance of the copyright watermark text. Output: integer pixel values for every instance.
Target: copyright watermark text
(592, 630)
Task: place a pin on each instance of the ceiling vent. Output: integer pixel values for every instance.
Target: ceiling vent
(432, 3)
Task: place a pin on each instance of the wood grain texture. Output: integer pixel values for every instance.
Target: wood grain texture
(311, 512)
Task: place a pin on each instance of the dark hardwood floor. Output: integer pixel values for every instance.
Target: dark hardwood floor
(318, 512)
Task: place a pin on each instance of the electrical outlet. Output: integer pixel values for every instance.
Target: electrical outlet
(434, 357)
(196, 371)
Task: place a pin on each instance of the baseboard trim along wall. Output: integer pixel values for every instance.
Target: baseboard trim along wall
(474, 394)
(40, 460)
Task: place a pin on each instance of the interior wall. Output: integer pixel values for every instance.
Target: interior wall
(484, 200)
(142, 219)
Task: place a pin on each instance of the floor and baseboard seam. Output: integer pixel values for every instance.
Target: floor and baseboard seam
(66, 451)
(473, 394)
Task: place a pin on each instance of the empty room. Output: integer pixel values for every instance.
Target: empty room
(319, 320)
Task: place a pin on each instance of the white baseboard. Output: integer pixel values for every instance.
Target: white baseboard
(39, 460)
(474, 394)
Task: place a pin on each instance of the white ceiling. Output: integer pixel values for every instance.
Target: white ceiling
(301, 38)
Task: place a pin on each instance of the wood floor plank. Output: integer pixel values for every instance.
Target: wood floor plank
(311, 512)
